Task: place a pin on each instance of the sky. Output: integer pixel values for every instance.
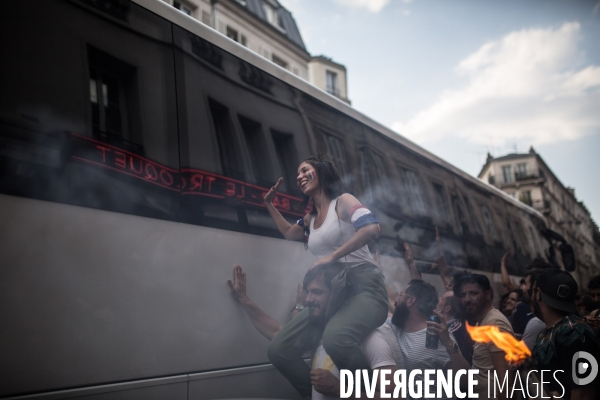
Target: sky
(464, 78)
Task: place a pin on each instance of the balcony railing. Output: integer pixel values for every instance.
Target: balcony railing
(524, 177)
(334, 91)
(541, 204)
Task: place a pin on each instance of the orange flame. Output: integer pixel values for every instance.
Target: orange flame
(516, 350)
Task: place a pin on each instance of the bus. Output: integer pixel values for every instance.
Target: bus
(136, 145)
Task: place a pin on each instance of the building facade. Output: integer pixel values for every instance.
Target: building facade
(268, 29)
(527, 178)
(330, 76)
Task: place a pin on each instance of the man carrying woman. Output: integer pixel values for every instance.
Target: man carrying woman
(339, 228)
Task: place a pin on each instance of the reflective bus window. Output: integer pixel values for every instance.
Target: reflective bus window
(441, 203)
(374, 173)
(336, 153)
(413, 189)
(113, 98)
(87, 115)
(239, 131)
(489, 223)
(231, 157)
(257, 150)
(286, 151)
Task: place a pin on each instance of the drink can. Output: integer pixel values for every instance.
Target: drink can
(432, 339)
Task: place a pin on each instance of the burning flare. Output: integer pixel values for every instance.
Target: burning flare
(516, 350)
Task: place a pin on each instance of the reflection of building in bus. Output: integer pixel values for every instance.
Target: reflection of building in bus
(267, 28)
(528, 178)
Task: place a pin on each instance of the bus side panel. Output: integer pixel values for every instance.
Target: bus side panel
(90, 297)
(177, 391)
(261, 384)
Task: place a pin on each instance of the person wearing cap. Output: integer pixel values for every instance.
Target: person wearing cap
(567, 345)
(475, 293)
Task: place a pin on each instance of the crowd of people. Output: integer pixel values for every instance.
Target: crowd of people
(341, 307)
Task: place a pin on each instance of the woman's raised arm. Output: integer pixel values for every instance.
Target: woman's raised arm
(289, 231)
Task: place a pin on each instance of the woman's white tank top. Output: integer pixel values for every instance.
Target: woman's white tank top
(332, 235)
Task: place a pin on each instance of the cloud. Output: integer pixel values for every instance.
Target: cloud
(371, 5)
(530, 85)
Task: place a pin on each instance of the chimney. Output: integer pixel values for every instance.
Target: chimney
(531, 150)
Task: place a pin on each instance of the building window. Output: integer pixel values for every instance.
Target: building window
(337, 155)
(288, 161)
(525, 197)
(277, 60)
(412, 185)
(206, 18)
(112, 92)
(243, 40)
(507, 174)
(440, 201)
(232, 33)
(374, 173)
(331, 83)
(272, 16)
(489, 223)
(521, 171)
(228, 150)
(184, 8)
(257, 149)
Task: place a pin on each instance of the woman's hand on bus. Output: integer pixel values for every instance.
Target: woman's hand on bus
(238, 287)
(323, 260)
(271, 193)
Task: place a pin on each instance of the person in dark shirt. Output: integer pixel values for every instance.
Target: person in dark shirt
(567, 344)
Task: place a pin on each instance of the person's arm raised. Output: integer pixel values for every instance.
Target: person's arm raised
(267, 326)
(506, 282)
(361, 237)
(408, 256)
(289, 231)
(444, 270)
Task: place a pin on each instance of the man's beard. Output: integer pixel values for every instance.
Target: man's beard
(315, 319)
(400, 315)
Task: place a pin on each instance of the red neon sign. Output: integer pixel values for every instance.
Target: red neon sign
(189, 181)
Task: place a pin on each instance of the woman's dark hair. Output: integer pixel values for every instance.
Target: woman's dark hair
(328, 177)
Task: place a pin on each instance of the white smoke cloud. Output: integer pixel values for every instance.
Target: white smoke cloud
(371, 5)
(532, 84)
